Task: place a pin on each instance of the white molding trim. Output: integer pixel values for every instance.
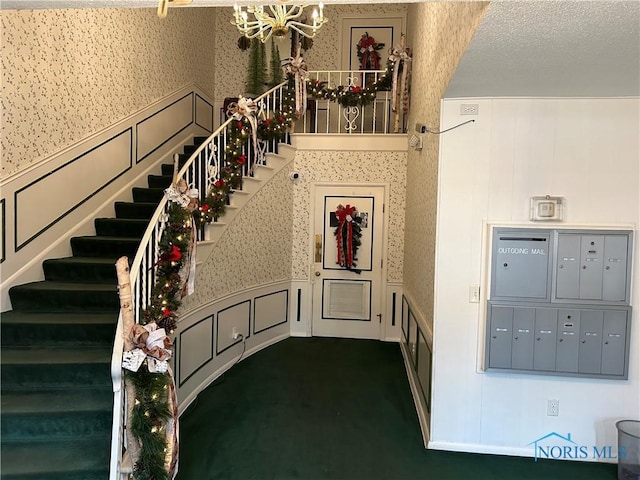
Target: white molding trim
(423, 416)
(397, 142)
(502, 450)
(420, 318)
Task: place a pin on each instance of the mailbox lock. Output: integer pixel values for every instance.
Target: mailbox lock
(607, 267)
(560, 340)
(505, 265)
(584, 267)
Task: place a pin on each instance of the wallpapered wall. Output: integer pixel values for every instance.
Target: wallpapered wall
(67, 74)
(344, 166)
(231, 62)
(251, 251)
(438, 33)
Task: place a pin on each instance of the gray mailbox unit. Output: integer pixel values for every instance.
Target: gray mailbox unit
(559, 302)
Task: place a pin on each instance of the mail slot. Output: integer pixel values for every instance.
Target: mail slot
(521, 264)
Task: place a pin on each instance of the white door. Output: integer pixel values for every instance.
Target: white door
(347, 281)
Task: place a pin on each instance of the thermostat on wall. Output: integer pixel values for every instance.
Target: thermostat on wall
(546, 208)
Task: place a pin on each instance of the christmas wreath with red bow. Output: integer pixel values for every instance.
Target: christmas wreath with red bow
(367, 50)
(348, 233)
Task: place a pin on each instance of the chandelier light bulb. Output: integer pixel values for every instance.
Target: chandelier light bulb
(276, 20)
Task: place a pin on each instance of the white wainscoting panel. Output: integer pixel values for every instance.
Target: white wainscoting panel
(301, 294)
(270, 310)
(45, 201)
(202, 356)
(204, 113)
(199, 341)
(163, 125)
(236, 316)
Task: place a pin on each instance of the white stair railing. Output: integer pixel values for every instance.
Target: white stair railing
(200, 171)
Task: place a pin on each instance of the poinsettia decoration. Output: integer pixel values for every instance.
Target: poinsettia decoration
(367, 50)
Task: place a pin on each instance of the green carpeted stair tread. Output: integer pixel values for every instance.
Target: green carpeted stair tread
(55, 356)
(148, 195)
(97, 399)
(37, 319)
(135, 210)
(159, 181)
(57, 460)
(65, 296)
(167, 169)
(121, 227)
(47, 424)
(48, 368)
(107, 247)
(22, 329)
(80, 269)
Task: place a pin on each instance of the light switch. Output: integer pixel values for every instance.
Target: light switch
(474, 294)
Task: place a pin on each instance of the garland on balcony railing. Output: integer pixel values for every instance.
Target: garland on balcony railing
(152, 407)
(352, 96)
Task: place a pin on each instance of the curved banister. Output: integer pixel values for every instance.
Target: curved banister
(198, 173)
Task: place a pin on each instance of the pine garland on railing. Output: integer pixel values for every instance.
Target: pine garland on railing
(351, 96)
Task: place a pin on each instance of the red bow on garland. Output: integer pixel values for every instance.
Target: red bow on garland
(367, 50)
(175, 255)
(347, 236)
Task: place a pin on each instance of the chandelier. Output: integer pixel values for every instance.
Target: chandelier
(276, 20)
(163, 6)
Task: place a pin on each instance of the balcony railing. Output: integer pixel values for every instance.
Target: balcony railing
(330, 117)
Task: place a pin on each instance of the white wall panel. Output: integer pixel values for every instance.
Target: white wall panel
(163, 125)
(69, 185)
(270, 310)
(195, 347)
(585, 150)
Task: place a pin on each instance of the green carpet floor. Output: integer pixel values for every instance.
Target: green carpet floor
(315, 408)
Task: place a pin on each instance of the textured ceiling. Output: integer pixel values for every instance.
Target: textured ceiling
(575, 48)
(553, 48)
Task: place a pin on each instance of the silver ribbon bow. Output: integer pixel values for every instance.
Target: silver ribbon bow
(153, 345)
(298, 68)
(246, 108)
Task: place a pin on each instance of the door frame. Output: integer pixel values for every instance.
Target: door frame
(311, 245)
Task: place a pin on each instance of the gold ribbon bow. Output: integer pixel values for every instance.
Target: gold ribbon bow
(397, 55)
(298, 68)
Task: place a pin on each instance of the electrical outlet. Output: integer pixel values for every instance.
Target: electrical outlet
(469, 109)
(553, 407)
(235, 334)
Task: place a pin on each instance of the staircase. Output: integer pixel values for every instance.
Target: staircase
(57, 341)
(56, 350)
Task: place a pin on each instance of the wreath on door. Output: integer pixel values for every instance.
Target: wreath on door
(348, 233)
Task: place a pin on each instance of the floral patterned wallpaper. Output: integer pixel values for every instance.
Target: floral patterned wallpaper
(68, 73)
(254, 250)
(347, 166)
(438, 33)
